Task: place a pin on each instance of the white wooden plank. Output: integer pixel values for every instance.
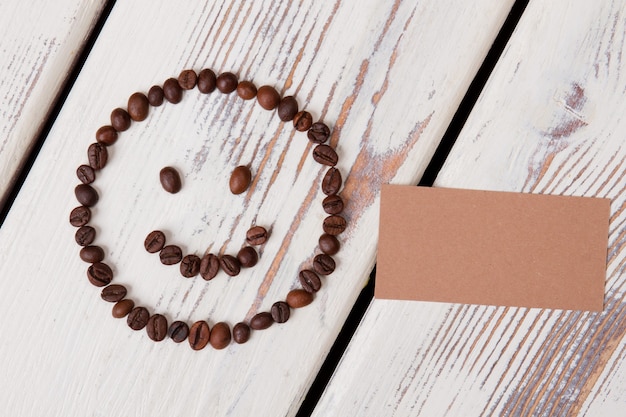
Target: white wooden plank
(39, 42)
(549, 121)
(361, 66)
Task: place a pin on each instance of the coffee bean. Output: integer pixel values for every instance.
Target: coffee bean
(226, 82)
(172, 91)
(206, 81)
(120, 119)
(268, 97)
(287, 108)
(247, 257)
(209, 266)
(323, 264)
(80, 216)
(97, 155)
(86, 195)
(256, 235)
(122, 308)
(230, 265)
(86, 174)
(333, 204)
(220, 336)
(280, 312)
(178, 331)
(190, 266)
(85, 235)
(92, 254)
(302, 121)
(261, 321)
(334, 225)
(170, 180)
(155, 95)
(241, 333)
(246, 90)
(318, 133)
(325, 155)
(329, 244)
(154, 241)
(299, 298)
(187, 79)
(138, 107)
(113, 293)
(331, 183)
(170, 255)
(309, 280)
(138, 318)
(199, 335)
(240, 179)
(100, 274)
(106, 135)
(157, 327)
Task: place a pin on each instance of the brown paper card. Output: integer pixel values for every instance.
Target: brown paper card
(494, 248)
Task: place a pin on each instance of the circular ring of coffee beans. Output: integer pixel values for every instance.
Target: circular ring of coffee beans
(199, 334)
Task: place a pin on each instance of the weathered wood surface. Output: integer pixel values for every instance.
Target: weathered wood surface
(384, 75)
(39, 42)
(551, 120)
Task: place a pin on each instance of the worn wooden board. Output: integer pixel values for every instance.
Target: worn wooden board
(39, 43)
(383, 75)
(549, 121)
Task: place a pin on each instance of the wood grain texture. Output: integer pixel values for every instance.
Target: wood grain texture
(39, 42)
(549, 121)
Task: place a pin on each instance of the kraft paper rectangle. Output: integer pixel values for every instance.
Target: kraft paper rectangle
(493, 248)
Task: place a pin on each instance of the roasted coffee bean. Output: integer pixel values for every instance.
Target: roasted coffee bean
(333, 204)
(256, 236)
(138, 318)
(323, 264)
(157, 327)
(247, 257)
(86, 174)
(329, 244)
(325, 155)
(199, 335)
(120, 119)
(92, 254)
(85, 235)
(190, 266)
(154, 241)
(309, 280)
(80, 216)
(334, 225)
(97, 155)
(100, 274)
(206, 81)
(86, 195)
(220, 336)
(187, 79)
(172, 91)
(106, 135)
(241, 332)
(138, 107)
(331, 183)
(170, 255)
(209, 266)
(299, 298)
(287, 108)
(268, 97)
(246, 90)
(178, 331)
(261, 321)
(240, 179)
(226, 82)
(113, 293)
(122, 308)
(302, 121)
(170, 180)
(280, 312)
(230, 265)
(155, 95)
(318, 133)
